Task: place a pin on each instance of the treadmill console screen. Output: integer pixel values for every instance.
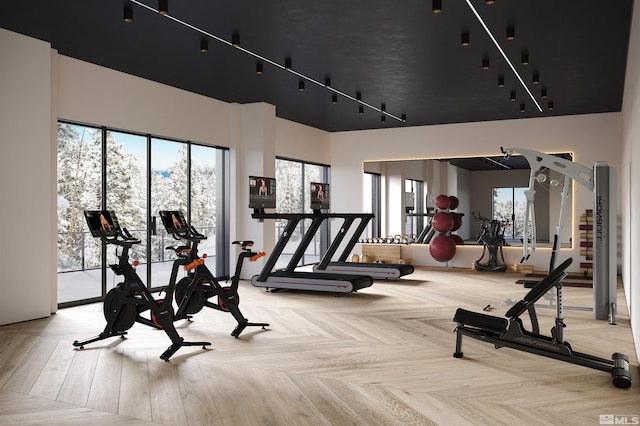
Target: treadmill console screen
(319, 196)
(262, 193)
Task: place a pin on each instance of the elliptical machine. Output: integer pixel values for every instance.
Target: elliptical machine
(193, 292)
(124, 303)
(492, 238)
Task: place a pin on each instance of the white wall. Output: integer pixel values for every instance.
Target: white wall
(28, 257)
(464, 194)
(300, 142)
(96, 95)
(629, 176)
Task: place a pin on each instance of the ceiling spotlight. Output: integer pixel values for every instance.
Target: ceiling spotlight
(301, 85)
(358, 97)
(235, 39)
(485, 62)
(404, 118)
(383, 118)
(334, 99)
(543, 93)
(163, 7)
(128, 13)
(436, 6)
(327, 82)
(464, 39)
(360, 109)
(501, 81)
(524, 58)
(512, 96)
(522, 108)
(511, 32)
(550, 105)
(536, 78)
(383, 107)
(287, 64)
(259, 68)
(204, 45)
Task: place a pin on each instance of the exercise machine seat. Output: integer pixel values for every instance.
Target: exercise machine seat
(480, 320)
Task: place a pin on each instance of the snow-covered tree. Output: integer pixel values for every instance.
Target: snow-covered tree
(79, 153)
(203, 196)
(503, 209)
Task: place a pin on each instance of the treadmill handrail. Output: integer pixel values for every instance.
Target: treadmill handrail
(292, 222)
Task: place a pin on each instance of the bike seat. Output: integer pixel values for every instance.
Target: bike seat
(244, 244)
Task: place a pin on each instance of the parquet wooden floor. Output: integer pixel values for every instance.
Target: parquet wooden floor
(382, 356)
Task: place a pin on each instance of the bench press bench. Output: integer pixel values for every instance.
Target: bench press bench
(510, 331)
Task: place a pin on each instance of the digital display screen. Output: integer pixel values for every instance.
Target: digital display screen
(409, 200)
(320, 196)
(262, 193)
(174, 221)
(102, 223)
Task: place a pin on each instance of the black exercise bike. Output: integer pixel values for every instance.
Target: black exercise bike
(124, 303)
(192, 292)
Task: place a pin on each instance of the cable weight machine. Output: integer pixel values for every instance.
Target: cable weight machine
(601, 181)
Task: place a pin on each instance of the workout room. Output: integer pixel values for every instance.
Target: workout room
(269, 255)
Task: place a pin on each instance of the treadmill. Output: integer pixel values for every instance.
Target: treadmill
(290, 279)
(382, 271)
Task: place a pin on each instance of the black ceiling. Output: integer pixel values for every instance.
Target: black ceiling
(394, 52)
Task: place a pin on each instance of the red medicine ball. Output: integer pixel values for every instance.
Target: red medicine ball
(442, 222)
(453, 202)
(457, 221)
(457, 239)
(442, 202)
(442, 248)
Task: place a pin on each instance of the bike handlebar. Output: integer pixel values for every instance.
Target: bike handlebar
(257, 256)
(122, 238)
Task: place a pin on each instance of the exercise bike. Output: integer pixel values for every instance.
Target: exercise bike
(124, 303)
(193, 292)
(510, 333)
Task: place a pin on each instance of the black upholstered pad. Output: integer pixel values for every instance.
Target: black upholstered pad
(483, 321)
(539, 290)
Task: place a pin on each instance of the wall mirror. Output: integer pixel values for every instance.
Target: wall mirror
(491, 186)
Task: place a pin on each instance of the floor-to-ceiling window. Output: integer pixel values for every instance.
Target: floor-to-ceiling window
(208, 183)
(135, 176)
(79, 188)
(414, 206)
(126, 190)
(169, 191)
(372, 188)
(294, 186)
(509, 207)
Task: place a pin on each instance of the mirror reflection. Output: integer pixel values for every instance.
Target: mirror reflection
(490, 187)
